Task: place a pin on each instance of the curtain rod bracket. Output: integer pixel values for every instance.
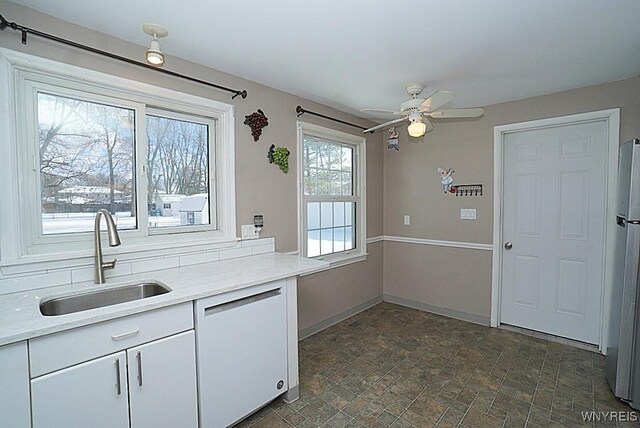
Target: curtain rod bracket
(26, 30)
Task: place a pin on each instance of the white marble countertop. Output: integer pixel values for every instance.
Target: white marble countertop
(20, 316)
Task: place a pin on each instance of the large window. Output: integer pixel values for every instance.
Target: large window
(160, 161)
(87, 153)
(332, 193)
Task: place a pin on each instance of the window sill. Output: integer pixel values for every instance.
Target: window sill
(339, 261)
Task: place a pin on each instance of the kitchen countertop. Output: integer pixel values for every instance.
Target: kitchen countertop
(20, 316)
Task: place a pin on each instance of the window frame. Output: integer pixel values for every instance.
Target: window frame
(21, 76)
(358, 143)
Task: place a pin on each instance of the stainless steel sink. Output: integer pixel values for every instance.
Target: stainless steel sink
(100, 298)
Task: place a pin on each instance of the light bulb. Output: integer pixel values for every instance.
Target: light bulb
(417, 129)
(154, 55)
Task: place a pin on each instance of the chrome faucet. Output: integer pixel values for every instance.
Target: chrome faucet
(114, 241)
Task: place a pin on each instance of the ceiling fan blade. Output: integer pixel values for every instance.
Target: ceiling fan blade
(384, 125)
(457, 113)
(378, 110)
(428, 123)
(437, 99)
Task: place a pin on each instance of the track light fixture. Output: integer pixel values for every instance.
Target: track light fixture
(154, 55)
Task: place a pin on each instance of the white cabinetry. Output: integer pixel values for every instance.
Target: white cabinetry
(14, 386)
(162, 383)
(149, 382)
(92, 394)
(242, 352)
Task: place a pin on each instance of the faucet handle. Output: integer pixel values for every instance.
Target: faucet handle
(109, 265)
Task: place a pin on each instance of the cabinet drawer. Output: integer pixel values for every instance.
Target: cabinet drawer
(64, 349)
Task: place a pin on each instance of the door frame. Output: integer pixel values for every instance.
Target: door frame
(612, 117)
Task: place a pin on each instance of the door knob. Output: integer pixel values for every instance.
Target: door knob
(508, 245)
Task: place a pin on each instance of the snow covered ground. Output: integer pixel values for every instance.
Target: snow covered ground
(83, 222)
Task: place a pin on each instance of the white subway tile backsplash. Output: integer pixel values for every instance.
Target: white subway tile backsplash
(194, 259)
(262, 249)
(32, 282)
(23, 277)
(88, 274)
(236, 252)
(149, 265)
(257, 242)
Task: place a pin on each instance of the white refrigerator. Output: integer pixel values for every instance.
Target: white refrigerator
(623, 349)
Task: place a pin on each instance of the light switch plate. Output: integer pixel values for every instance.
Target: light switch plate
(249, 231)
(407, 220)
(467, 214)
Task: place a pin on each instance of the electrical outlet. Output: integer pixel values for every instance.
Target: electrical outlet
(467, 214)
(407, 220)
(249, 231)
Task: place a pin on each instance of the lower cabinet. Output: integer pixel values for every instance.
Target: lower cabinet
(14, 386)
(92, 394)
(151, 385)
(162, 383)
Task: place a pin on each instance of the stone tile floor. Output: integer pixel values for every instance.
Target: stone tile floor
(400, 367)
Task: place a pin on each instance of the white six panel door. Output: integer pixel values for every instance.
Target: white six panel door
(554, 205)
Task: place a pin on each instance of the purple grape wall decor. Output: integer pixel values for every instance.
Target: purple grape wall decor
(256, 122)
(279, 156)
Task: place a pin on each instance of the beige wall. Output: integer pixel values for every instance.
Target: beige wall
(460, 279)
(260, 188)
(321, 294)
(442, 279)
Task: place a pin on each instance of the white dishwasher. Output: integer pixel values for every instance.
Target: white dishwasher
(241, 340)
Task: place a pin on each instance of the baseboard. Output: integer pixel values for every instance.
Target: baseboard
(476, 319)
(309, 331)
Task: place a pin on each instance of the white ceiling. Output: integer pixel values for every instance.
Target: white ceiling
(353, 54)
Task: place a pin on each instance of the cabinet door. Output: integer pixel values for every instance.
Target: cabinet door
(162, 383)
(14, 393)
(92, 394)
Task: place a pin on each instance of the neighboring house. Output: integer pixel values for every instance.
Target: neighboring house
(169, 204)
(195, 210)
(81, 195)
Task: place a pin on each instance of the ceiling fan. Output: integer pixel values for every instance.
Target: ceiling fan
(418, 111)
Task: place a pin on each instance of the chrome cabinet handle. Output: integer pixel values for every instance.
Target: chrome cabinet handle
(125, 335)
(139, 358)
(118, 386)
(508, 245)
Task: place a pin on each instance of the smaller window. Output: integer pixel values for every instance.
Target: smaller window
(166, 206)
(332, 193)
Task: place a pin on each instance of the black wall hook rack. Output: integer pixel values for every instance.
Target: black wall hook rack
(468, 189)
(26, 30)
(302, 111)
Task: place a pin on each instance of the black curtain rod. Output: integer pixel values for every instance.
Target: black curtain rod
(302, 111)
(26, 30)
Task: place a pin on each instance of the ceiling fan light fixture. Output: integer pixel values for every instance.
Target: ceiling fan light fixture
(154, 55)
(417, 129)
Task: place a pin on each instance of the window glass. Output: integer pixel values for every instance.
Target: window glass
(328, 174)
(177, 172)
(86, 161)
